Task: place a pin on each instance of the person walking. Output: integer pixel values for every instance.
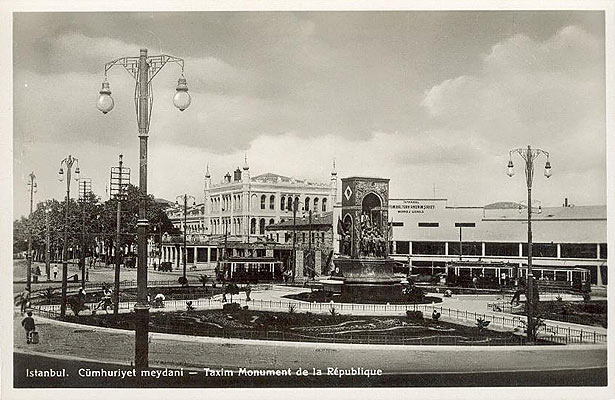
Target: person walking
(29, 326)
(55, 272)
(24, 300)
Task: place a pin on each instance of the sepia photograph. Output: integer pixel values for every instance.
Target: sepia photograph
(328, 196)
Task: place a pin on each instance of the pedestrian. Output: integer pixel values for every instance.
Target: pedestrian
(29, 326)
(24, 300)
(159, 300)
(55, 272)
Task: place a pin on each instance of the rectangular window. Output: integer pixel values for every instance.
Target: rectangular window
(429, 224)
(397, 223)
(402, 247)
(579, 250)
(428, 248)
(469, 248)
(502, 249)
(260, 252)
(465, 225)
(214, 254)
(201, 254)
(603, 251)
(189, 255)
(541, 250)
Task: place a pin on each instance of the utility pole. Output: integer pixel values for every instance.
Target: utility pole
(120, 178)
(185, 198)
(85, 186)
(294, 253)
(33, 187)
(47, 244)
(311, 260)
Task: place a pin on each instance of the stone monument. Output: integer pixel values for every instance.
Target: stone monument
(363, 266)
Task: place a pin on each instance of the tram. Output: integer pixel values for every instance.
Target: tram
(250, 269)
(496, 275)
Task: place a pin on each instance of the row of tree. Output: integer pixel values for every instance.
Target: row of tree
(100, 225)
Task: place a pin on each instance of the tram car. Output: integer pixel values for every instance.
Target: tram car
(251, 269)
(497, 275)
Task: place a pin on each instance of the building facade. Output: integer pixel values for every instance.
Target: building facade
(427, 233)
(235, 213)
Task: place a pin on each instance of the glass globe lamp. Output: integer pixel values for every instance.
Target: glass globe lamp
(182, 99)
(105, 101)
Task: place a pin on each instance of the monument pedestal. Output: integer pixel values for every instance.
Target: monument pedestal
(368, 280)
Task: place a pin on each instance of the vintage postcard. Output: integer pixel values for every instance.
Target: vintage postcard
(307, 199)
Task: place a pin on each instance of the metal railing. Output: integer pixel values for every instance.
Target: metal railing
(547, 330)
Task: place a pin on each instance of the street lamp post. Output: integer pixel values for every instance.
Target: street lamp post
(529, 155)
(68, 162)
(143, 69)
(47, 244)
(33, 187)
(185, 198)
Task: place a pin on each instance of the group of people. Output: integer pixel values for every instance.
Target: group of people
(372, 242)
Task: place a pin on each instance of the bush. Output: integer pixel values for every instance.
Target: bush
(482, 324)
(414, 315)
(333, 311)
(231, 307)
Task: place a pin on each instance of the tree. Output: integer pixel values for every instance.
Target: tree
(100, 224)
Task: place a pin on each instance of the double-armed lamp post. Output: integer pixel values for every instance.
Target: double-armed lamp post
(69, 162)
(143, 69)
(185, 198)
(529, 155)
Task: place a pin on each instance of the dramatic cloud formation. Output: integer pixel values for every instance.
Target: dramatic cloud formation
(433, 101)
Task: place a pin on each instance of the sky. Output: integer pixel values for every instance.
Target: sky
(433, 100)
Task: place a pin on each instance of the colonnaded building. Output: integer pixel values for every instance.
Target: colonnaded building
(236, 215)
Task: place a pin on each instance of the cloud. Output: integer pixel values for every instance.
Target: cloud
(545, 93)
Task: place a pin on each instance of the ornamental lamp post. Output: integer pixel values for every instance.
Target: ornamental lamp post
(529, 155)
(185, 198)
(33, 189)
(68, 162)
(143, 69)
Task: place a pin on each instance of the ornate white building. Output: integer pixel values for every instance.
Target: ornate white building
(235, 212)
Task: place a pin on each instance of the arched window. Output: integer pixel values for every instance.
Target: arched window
(253, 226)
(272, 202)
(261, 226)
(324, 205)
(271, 221)
(315, 204)
(289, 205)
(282, 202)
(263, 200)
(307, 204)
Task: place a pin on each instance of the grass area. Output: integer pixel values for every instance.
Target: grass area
(294, 326)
